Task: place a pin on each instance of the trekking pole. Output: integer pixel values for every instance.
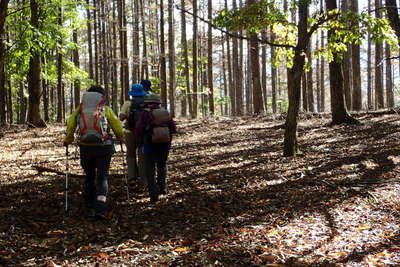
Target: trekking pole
(66, 179)
(126, 174)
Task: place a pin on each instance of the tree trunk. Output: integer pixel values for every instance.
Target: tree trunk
(346, 65)
(338, 108)
(186, 97)
(163, 67)
(264, 71)
(273, 76)
(369, 69)
(379, 99)
(294, 83)
(195, 63)
(255, 72)
(3, 13)
(145, 64)
(171, 57)
(210, 78)
(322, 76)
(393, 16)
(389, 80)
(310, 93)
(34, 89)
(77, 82)
(356, 72)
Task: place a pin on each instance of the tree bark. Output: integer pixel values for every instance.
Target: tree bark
(3, 13)
(34, 89)
(294, 83)
(210, 78)
(338, 107)
(356, 71)
(171, 58)
(379, 99)
(187, 98)
(195, 63)
(163, 68)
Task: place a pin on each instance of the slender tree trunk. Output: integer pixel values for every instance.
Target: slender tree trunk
(171, 53)
(210, 77)
(356, 71)
(186, 99)
(393, 16)
(346, 65)
(114, 77)
(322, 76)
(59, 74)
(339, 112)
(135, 42)
(163, 68)
(264, 71)
(34, 89)
(369, 69)
(96, 47)
(389, 79)
(77, 82)
(224, 107)
(3, 13)
(89, 39)
(294, 82)
(317, 77)
(145, 64)
(310, 92)
(273, 76)
(379, 99)
(194, 58)
(255, 71)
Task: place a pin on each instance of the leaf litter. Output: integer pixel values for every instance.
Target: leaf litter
(232, 199)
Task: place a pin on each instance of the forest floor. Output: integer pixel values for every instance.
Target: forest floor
(232, 199)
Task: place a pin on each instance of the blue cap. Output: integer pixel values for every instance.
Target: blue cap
(137, 90)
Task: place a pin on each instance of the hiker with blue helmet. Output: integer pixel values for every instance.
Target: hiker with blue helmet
(130, 112)
(94, 118)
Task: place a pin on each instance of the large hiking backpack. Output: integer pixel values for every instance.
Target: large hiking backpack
(92, 121)
(160, 132)
(137, 106)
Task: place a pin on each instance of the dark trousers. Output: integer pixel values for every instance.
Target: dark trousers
(95, 161)
(155, 160)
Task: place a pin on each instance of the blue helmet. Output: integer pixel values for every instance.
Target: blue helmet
(137, 90)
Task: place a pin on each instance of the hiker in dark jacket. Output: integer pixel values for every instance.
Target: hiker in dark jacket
(96, 145)
(155, 152)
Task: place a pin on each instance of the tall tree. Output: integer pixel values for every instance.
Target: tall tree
(346, 65)
(389, 79)
(310, 91)
(369, 69)
(294, 82)
(379, 99)
(338, 108)
(210, 78)
(194, 58)
(89, 39)
(3, 13)
(356, 71)
(255, 71)
(163, 67)
(186, 99)
(171, 53)
(34, 87)
(75, 56)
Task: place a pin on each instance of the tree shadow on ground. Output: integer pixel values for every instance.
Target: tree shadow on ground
(207, 205)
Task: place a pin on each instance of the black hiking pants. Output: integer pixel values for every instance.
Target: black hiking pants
(95, 161)
(155, 164)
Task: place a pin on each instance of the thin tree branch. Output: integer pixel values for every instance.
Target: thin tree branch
(264, 41)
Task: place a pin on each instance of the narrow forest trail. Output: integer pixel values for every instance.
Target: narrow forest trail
(232, 199)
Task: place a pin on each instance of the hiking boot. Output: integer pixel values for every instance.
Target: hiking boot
(100, 210)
